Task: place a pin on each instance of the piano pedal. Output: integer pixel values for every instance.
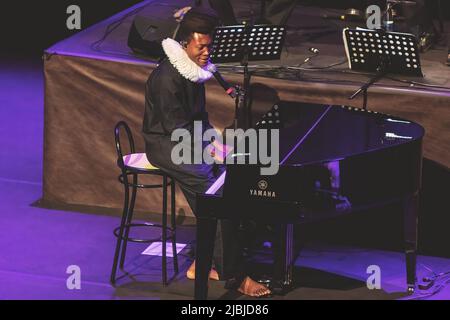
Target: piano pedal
(276, 286)
(265, 281)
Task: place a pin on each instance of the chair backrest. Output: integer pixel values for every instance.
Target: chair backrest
(120, 126)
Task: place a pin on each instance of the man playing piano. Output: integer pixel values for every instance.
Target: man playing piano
(175, 98)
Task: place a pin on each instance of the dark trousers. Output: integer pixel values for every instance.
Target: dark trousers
(193, 179)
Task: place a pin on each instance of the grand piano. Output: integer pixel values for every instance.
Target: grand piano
(334, 160)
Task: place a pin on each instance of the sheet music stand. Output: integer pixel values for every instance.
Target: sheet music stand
(245, 43)
(381, 52)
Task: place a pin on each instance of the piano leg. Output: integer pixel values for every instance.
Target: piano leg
(206, 231)
(411, 207)
(283, 257)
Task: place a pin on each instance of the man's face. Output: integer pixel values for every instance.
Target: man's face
(199, 48)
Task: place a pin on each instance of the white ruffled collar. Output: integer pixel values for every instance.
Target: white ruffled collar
(185, 66)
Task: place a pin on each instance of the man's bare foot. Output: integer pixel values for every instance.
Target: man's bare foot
(190, 274)
(252, 288)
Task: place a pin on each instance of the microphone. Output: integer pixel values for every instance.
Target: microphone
(230, 90)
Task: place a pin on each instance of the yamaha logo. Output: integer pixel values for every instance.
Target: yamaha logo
(263, 184)
(262, 190)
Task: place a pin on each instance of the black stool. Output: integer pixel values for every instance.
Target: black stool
(133, 165)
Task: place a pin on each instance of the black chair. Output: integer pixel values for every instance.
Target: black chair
(133, 165)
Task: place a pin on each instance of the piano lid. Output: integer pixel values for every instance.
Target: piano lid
(321, 134)
(318, 133)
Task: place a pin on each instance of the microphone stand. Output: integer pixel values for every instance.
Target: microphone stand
(381, 71)
(246, 90)
(244, 52)
(377, 77)
(246, 86)
(238, 101)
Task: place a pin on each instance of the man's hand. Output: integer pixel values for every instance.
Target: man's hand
(219, 151)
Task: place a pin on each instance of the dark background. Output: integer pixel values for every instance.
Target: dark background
(27, 28)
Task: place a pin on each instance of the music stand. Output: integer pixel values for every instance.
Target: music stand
(245, 43)
(381, 52)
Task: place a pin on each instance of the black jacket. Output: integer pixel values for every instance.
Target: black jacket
(171, 102)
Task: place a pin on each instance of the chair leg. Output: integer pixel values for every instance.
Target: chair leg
(120, 236)
(173, 225)
(164, 231)
(128, 221)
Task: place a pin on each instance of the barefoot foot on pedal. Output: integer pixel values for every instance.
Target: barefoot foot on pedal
(252, 288)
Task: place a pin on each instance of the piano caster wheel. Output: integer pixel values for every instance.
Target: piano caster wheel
(411, 289)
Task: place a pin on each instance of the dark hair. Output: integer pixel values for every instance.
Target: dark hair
(198, 20)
